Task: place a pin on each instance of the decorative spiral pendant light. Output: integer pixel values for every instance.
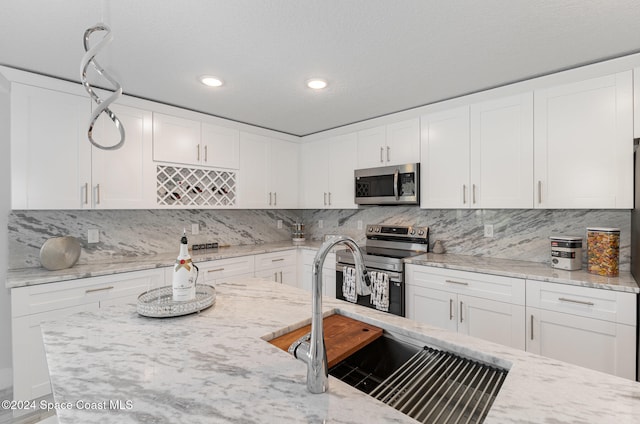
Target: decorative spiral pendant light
(102, 105)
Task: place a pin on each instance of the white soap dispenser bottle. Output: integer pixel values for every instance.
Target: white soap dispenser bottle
(185, 274)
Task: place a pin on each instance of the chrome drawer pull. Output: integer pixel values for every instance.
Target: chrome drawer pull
(97, 290)
(215, 270)
(461, 311)
(450, 309)
(277, 260)
(531, 326)
(581, 302)
(456, 282)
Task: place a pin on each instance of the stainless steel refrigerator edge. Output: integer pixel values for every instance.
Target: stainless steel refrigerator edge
(635, 242)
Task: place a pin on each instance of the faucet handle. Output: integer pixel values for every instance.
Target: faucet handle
(367, 279)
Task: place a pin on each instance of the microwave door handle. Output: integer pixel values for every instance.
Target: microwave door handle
(396, 175)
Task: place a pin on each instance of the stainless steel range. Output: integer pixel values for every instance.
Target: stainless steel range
(385, 250)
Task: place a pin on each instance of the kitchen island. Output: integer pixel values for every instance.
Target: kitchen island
(114, 366)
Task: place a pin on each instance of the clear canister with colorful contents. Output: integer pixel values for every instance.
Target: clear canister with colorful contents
(603, 251)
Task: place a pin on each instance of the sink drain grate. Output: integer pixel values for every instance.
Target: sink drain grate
(440, 387)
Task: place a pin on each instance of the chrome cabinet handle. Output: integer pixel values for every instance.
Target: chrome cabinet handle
(450, 309)
(280, 277)
(325, 199)
(97, 290)
(531, 326)
(464, 194)
(215, 270)
(329, 198)
(396, 176)
(97, 194)
(198, 159)
(461, 311)
(206, 153)
(388, 155)
(86, 193)
(275, 277)
(275, 198)
(581, 302)
(473, 194)
(462, 283)
(277, 260)
(270, 198)
(381, 151)
(539, 191)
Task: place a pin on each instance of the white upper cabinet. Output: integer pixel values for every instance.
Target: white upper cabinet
(393, 144)
(192, 142)
(133, 185)
(444, 170)
(502, 153)
(268, 176)
(326, 168)
(55, 167)
(584, 144)
(50, 153)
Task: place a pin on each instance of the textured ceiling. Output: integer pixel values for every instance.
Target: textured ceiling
(379, 56)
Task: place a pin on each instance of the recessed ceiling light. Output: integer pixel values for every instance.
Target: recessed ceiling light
(211, 81)
(316, 84)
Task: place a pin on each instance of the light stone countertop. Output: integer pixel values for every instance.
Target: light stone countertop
(505, 267)
(216, 367)
(527, 270)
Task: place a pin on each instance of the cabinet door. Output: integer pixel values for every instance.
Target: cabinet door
(403, 142)
(584, 144)
(636, 103)
(343, 152)
(433, 307)
(253, 177)
(176, 140)
(221, 146)
(133, 185)
(50, 152)
(371, 147)
(502, 153)
(314, 168)
(284, 174)
(497, 322)
(596, 344)
(30, 370)
(444, 151)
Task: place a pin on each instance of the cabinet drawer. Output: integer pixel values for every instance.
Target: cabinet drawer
(587, 302)
(494, 287)
(309, 255)
(52, 296)
(276, 260)
(225, 268)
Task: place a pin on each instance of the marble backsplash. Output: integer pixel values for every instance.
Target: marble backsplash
(518, 234)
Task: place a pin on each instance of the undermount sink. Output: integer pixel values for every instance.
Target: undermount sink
(431, 385)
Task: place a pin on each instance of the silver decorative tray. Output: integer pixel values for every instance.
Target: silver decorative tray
(159, 303)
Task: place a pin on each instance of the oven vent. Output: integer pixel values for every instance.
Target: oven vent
(440, 387)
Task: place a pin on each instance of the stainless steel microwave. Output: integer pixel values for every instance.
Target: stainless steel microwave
(388, 185)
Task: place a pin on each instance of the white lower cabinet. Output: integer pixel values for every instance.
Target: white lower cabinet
(328, 272)
(589, 327)
(280, 267)
(32, 305)
(219, 271)
(485, 306)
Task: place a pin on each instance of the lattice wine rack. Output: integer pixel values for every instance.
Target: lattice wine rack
(195, 187)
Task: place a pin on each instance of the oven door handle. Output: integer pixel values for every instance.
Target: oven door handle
(396, 176)
(394, 277)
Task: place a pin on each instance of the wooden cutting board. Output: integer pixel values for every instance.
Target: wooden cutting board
(342, 336)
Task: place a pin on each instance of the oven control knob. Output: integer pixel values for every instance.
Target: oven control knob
(413, 232)
(421, 232)
(371, 229)
(377, 229)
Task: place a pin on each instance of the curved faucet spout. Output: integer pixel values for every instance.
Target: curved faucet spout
(313, 352)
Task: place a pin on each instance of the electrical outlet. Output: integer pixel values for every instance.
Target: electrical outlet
(320, 224)
(488, 230)
(93, 236)
(279, 224)
(359, 225)
(195, 229)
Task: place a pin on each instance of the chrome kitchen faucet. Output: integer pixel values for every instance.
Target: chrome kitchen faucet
(313, 351)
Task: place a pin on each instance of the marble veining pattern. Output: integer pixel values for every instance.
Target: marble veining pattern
(216, 367)
(129, 234)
